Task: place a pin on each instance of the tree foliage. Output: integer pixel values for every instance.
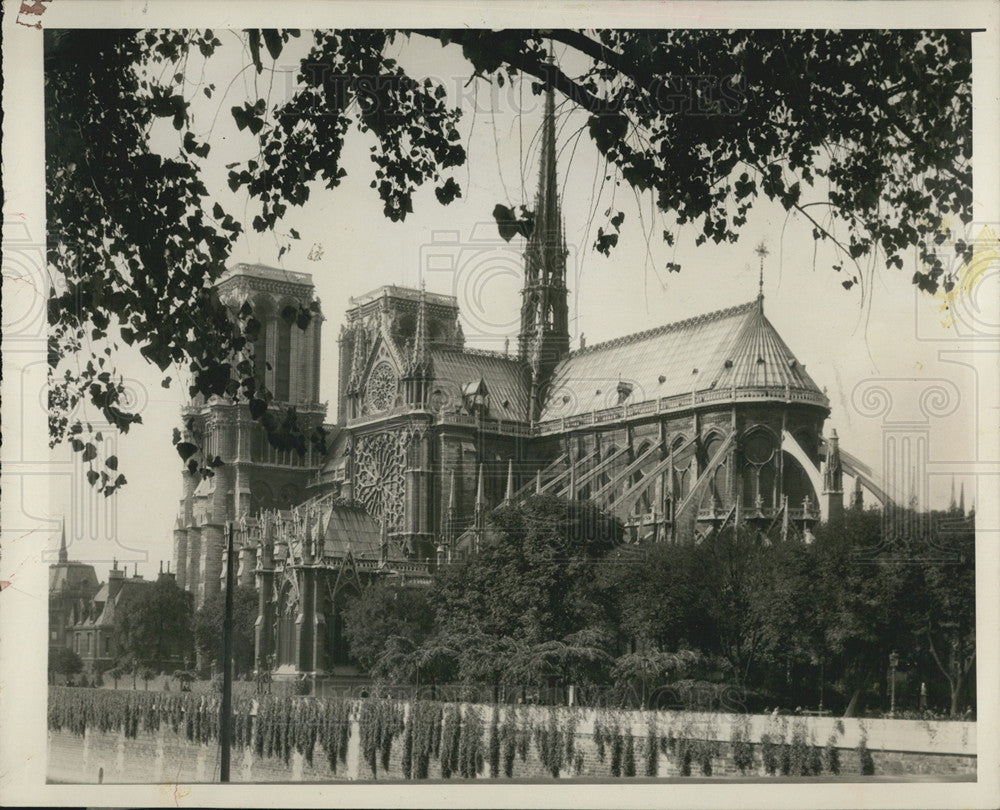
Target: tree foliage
(742, 617)
(208, 622)
(152, 624)
(864, 134)
(63, 661)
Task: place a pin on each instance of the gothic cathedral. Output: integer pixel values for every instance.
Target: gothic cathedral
(679, 431)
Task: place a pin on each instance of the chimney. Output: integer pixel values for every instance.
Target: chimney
(116, 578)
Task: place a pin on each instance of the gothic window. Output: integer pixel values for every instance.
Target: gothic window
(283, 360)
(380, 461)
(263, 311)
(380, 390)
(683, 455)
(642, 504)
(716, 493)
(261, 497)
(759, 470)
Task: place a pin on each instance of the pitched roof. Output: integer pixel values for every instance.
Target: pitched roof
(737, 347)
(346, 527)
(506, 380)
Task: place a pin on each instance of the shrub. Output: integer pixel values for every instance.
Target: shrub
(740, 743)
(865, 761)
(832, 755)
(769, 753)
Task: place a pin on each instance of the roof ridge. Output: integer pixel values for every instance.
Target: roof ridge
(635, 337)
(474, 352)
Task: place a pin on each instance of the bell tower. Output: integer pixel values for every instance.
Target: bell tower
(254, 475)
(544, 337)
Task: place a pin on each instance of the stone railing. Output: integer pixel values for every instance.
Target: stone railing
(618, 413)
(680, 402)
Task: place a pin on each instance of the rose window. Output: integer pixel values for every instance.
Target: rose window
(379, 464)
(380, 390)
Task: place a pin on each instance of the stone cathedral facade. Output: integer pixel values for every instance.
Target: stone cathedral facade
(680, 431)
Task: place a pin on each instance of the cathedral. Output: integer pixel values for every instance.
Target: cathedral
(679, 431)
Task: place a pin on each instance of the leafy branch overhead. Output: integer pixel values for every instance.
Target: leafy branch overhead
(864, 135)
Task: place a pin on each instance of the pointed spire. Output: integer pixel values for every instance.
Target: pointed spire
(544, 335)
(548, 223)
(419, 359)
(480, 492)
(63, 552)
(961, 499)
(359, 356)
(833, 478)
(761, 251)
(509, 496)
(952, 505)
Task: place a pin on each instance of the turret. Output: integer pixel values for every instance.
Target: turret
(833, 479)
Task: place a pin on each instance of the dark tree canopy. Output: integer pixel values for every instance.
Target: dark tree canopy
(865, 134)
(208, 622)
(153, 624)
(553, 598)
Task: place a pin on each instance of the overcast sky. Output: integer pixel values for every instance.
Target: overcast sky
(893, 334)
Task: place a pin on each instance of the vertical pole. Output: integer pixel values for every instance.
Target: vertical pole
(225, 722)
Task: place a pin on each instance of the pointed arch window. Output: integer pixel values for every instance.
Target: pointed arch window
(759, 470)
(283, 360)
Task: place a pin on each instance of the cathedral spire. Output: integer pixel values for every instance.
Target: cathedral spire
(63, 553)
(544, 337)
(961, 499)
(952, 505)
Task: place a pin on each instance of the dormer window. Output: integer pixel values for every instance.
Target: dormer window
(728, 364)
(624, 390)
(476, 398)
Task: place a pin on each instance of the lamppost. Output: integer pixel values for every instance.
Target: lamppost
(893, 663)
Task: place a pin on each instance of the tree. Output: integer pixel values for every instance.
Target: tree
(529, 604)
(385, 625)
(737, 562)
(866, 581)
(208, 621)
(63, 661)
(948, 623)
(153, 624)
(865, 135)
(663, 599)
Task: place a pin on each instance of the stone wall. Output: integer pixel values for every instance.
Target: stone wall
(896, 747)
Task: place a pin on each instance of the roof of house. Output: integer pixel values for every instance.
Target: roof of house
(108, 607)
(506, 380)
(71, 575)
(737, 347)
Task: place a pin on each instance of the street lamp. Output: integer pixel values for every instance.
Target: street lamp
(893, 663)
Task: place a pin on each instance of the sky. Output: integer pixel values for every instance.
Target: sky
(881, 336)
